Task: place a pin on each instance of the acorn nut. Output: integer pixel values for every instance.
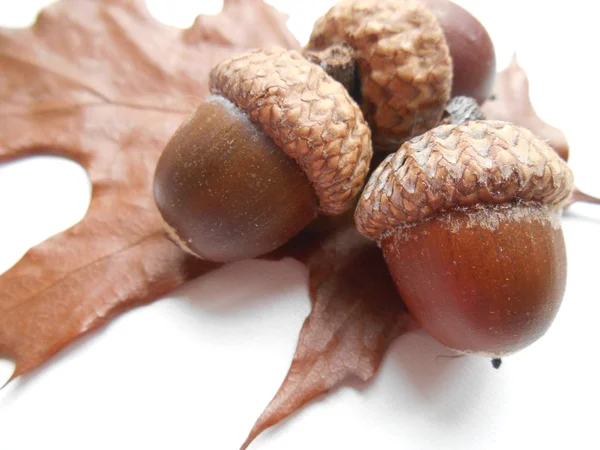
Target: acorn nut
(468, 218)
(411, 57)
(471, 50)
(276, 143)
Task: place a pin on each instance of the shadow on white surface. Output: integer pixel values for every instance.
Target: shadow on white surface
(448, 386)
(238, 288)
(583, 213)
(216, 351)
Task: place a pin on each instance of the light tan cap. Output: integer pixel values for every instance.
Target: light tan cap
(308, 114)
(479, 162)
(403, 61)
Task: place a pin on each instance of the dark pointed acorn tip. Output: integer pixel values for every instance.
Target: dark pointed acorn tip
(496, 363)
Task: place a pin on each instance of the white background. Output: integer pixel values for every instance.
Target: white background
(193, 371)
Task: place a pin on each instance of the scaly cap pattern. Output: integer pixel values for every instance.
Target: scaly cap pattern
(479, 162)
(307, 113)
(403, 61)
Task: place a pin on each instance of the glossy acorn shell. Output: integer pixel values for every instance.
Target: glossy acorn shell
(226, 190)
(480, 289)
(471, 49)
(468, 217)
(278, 142)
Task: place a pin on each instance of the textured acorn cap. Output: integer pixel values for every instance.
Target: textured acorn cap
(477, 163)
(403, 61)
(308, 114)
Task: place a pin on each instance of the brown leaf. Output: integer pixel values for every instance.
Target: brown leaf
(356, 314)
(510, 102)
(105, 84)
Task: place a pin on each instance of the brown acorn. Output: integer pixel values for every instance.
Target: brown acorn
(468, 217)
(471, 49)
(277, 143)
(411, 57)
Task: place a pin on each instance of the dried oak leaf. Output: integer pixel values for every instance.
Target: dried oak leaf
(356, 314)
(510, 102)
(105, 84)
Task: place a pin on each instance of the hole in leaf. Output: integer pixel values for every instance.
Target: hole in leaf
(7, 368)
(40, 196)
(21, 15)
(182, 13)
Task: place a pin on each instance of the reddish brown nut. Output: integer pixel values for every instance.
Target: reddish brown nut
(471, 49)
(278, 142)
(404, 52)
(468, 217)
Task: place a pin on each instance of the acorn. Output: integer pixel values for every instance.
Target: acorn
(468, 218)
(278, 142)
(410, 58)
(471, 50)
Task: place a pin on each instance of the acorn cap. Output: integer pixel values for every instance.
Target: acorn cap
(477, 163)
(403, 61)
(308, 114)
